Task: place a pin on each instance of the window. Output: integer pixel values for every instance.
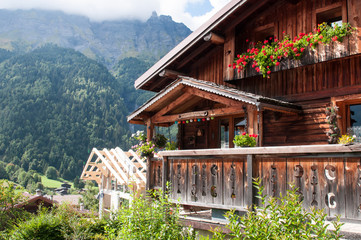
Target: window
(354, 116)
(350, 114)
(265, 34)
(224, 134)
(331, 16)
(230, 127)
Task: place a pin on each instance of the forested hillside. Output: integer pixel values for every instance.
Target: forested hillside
(56, 104)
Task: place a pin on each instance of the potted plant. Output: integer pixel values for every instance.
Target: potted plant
(160, 140)
(245, 140)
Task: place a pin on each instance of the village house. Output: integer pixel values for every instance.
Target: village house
(296, 106)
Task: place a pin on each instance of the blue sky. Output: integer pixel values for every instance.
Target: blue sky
(192, 13)
(198, 8)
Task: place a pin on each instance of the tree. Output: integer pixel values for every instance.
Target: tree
(8, 198)
(78, 183)
(88, 197)
(51, 173)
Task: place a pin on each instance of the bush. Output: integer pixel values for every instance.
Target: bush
(280, 218)
(147, 218)
(51, 173)
(61, 223)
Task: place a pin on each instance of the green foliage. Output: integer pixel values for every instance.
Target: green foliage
(148, 218)
(245, 140)
(51, 173)
(78, 184)
(171, 146)
(89, 197)
(280, 218)
(160, 140)
(61, 223)
(56, 105)
(9, 196)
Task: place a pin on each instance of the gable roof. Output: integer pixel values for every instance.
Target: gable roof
(167, 95)
(234, 8)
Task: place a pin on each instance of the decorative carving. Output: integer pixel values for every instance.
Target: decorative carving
(232, 179)
(330, 172)
(159, 173)
(273, 180)
(179, 176)
(214, 175)
(314, 182)
(359, 175)
(194, 183)
(298, 169)
(204, 179)
(331, 200)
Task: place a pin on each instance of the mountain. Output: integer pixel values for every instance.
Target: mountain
(56, 104)
(107, 42)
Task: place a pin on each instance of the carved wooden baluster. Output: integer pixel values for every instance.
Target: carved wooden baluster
(273, 180)
(204, 179)
(298, 174)
(359, 185)
(159, 173)
(233, 180)
(194, 183)
(179, 176)
(314, 182)
(214, 170)
(330, 174)
(155, 177)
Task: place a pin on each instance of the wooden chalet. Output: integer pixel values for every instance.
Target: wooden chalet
(211, 103)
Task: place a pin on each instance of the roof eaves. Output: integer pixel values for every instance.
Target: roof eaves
(188, 42)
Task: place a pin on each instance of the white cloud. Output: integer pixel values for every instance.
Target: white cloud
(99, 10)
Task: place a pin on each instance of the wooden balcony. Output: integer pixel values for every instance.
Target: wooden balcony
(328, 176)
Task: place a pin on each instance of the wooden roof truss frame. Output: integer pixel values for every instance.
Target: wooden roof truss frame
(124, 167)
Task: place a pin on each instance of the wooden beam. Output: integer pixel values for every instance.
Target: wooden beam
(214, 38)
(211, 113)
(180, 100)
(169, 73)
(214, 97)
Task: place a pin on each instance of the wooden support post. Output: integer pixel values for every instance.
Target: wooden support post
(228, 58)
(164, 174)
(150, 129)
(260, 128)
(250, 189)
(147, 185)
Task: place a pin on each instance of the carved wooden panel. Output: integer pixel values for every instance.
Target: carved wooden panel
(178, 179)
(233, 182)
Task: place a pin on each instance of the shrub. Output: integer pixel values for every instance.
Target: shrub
(9, 197)
(280, 218)
(148, 218)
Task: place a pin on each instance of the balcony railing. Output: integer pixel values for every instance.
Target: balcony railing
(327, 176)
